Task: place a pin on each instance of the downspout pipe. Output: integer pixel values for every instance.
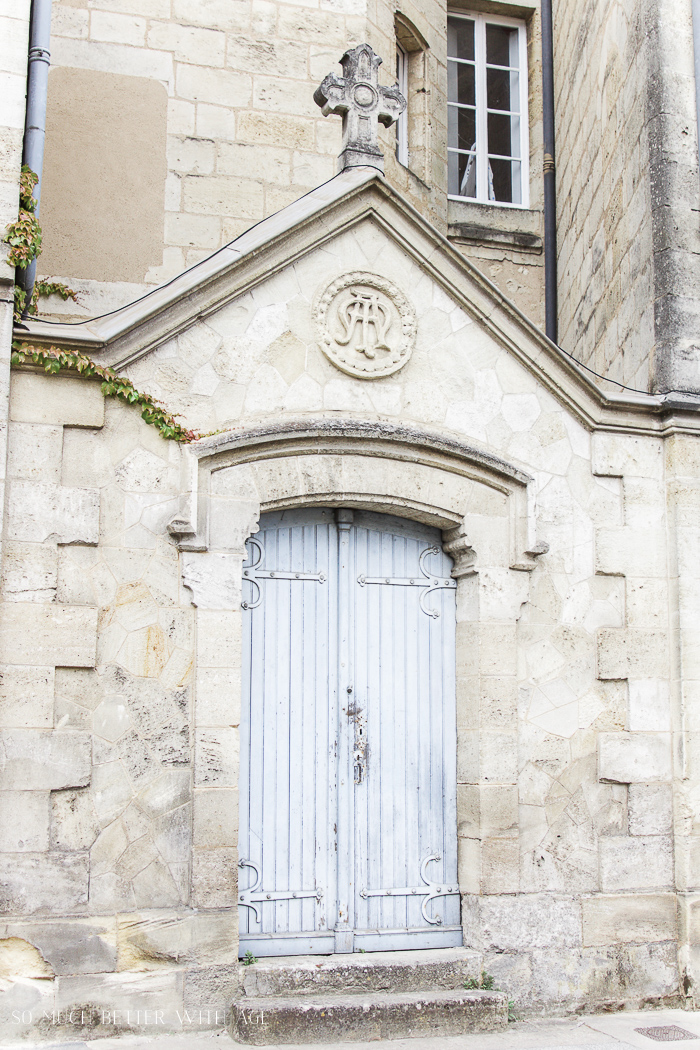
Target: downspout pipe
(550, 187)
(35, 120)
(696, 46)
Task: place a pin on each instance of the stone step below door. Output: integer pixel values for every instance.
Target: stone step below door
(378, 995)
(338, 1017)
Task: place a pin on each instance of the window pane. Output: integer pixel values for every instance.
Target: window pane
(461, 174)
(460, 38)
(460, 83)
(501, 46)
(461, 128)
(502, 90)
(504, 181)
(504, 134)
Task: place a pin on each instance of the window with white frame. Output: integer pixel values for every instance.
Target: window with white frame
(402, 122)
(487, 126)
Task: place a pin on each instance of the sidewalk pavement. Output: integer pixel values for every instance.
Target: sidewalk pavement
(594, 1032)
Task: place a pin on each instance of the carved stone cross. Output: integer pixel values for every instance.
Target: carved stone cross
(362, 102)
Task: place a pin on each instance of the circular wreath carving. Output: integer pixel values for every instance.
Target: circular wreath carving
(366, 325)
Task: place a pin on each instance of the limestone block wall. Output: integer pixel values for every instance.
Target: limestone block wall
(228, 133)
(627, 189)
(96, 728)
(244, 136)
(604, 193)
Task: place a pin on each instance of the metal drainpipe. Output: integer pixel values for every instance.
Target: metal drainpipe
(550, 187)
(35, 121)
(696, 45)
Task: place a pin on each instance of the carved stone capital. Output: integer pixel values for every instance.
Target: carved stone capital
(456, 544)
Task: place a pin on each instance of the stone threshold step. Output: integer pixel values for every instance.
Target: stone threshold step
(412, 971)
(335, 1017)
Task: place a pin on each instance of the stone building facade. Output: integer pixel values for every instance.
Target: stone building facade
(190, 195)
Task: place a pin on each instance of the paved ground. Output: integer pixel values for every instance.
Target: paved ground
(595, 1032)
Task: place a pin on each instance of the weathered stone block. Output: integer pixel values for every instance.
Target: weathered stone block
(29, 572)
(43, 882)
(620, 919)
(218, 636)
(24, 821)
(630, 551)
(634, 758)
(169, 791)
(41, 513)
(499, 807)
(214, 986)
(599, 975)
(19, 959)
(497, 649)
(215, 818)
(214, 878)
(217, 696)
(216, 757)
(122, 1001)
(498, 757)
(213, 579)
(147, 940)
(500, 865)
(77, 946)
(618, 454)
(58, 400)
(44, 760)
(111, 791)
(155, 887)
(26, 697)
(74, 824)
(521, 923)
(650, 809)
(632, 653)
(467, 756)
(48, 635)
(635, 863)
(649, 705)
(34, 452)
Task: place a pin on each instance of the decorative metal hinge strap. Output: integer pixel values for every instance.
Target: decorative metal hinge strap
(251, 574)
(429, 584)
(255, 894)
(434, 890)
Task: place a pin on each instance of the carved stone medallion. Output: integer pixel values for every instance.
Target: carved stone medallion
(366, 325)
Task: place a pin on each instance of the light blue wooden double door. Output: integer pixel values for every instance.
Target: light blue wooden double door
(348, 825)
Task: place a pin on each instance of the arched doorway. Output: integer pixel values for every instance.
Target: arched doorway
(348, 828)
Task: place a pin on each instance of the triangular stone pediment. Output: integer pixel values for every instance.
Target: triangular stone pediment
(275, 322)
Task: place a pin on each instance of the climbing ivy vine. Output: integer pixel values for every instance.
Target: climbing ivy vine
(54, 360)
(24, 239)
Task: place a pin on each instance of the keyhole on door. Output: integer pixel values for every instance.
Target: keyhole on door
(360, 749)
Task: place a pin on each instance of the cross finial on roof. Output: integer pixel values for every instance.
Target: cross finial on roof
(362, 102)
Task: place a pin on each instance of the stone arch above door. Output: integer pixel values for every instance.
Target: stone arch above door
(482, 503)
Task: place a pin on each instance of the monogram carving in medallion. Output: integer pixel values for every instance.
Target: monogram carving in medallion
(366, 325)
